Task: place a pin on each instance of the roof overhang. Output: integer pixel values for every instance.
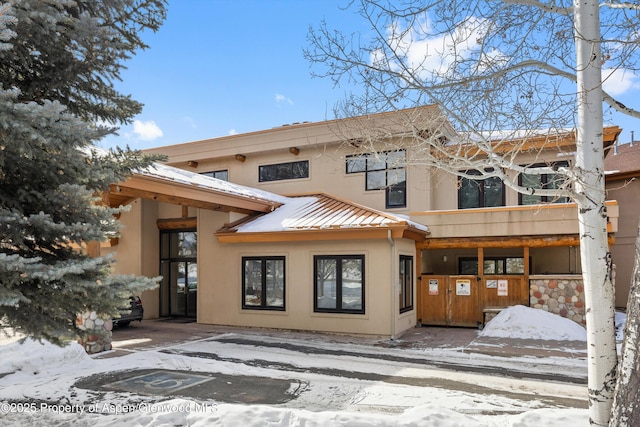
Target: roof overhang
(325, 234)
(152, 188)
(558, 141)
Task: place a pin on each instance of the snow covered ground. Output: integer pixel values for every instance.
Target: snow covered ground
(38, 384)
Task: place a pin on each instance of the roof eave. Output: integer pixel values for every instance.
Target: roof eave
(324, 234)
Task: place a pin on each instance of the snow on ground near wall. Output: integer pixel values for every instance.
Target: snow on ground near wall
(44, 374)
(33, 372)
(532, 323)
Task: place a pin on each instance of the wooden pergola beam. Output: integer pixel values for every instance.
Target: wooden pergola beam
(503, 242)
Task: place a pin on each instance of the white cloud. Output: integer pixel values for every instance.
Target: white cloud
(426, 55)
(146, 131)
(618, 81)
(232, 132)
(281, 98)
(190, 122)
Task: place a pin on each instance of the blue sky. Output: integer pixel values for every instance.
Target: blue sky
(218, 67)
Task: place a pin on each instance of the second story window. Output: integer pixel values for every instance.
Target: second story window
(480, 193)
(384, 171)
(548, 181)
(282, 171)
(222, 174)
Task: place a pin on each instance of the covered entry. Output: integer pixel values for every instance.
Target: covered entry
(461, 278)
(459, 300)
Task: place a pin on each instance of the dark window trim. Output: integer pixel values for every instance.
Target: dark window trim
(544, 180)
(213, 174)
(493, 258)
(406, 300)
(264, 305)
(481, 195)
(163, 303)
(288, 167)
(338, 259)
(369, 163)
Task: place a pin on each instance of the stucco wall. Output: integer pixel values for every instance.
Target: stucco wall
(220, 284)
(623, 251)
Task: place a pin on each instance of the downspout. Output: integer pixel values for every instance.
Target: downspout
(393, 286)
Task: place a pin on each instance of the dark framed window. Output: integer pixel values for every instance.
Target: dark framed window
(338, 284)
(406, 283)
(480, 193)
(492, 265)
(179, 270)
(282, 171)
(550, 181)
(263, 283)
(221, 174)
(383, 171)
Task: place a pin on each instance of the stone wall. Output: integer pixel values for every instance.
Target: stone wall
(98, 332)
(559, 294)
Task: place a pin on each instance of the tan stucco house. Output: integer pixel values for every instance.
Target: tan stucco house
(622, 171)
(300, 227)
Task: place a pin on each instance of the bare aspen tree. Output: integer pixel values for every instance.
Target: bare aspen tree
(503, 74)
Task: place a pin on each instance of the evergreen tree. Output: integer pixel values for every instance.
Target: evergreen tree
(58, 62)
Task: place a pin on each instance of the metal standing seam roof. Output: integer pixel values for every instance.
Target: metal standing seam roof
(319, 212)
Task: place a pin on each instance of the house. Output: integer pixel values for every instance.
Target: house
(336, 226)
(622, 170)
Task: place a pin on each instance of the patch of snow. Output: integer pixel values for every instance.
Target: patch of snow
(279, 219)
(43, 375)
(531, 323)
(31, 356)
(620, 320)
(191, 178)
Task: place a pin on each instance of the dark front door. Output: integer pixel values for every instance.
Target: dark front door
(179, 270)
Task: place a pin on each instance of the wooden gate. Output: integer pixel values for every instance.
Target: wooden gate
(450, 301)
(460, 300)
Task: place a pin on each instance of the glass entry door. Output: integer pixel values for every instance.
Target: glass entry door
(179, 269)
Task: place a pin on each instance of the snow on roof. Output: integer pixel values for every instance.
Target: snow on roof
(170, 173)
(321, 211)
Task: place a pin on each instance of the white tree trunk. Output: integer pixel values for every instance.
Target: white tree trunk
(592, 215)
(626, 404)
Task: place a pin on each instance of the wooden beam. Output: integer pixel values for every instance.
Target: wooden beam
(93, 249)
(177, 223)
(503, 242)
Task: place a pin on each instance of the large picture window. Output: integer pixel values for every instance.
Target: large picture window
(383, 171)
(550, 181)
(263, 283)
(480, 193)
(339, 284)
(406, 283)
(282, 171)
